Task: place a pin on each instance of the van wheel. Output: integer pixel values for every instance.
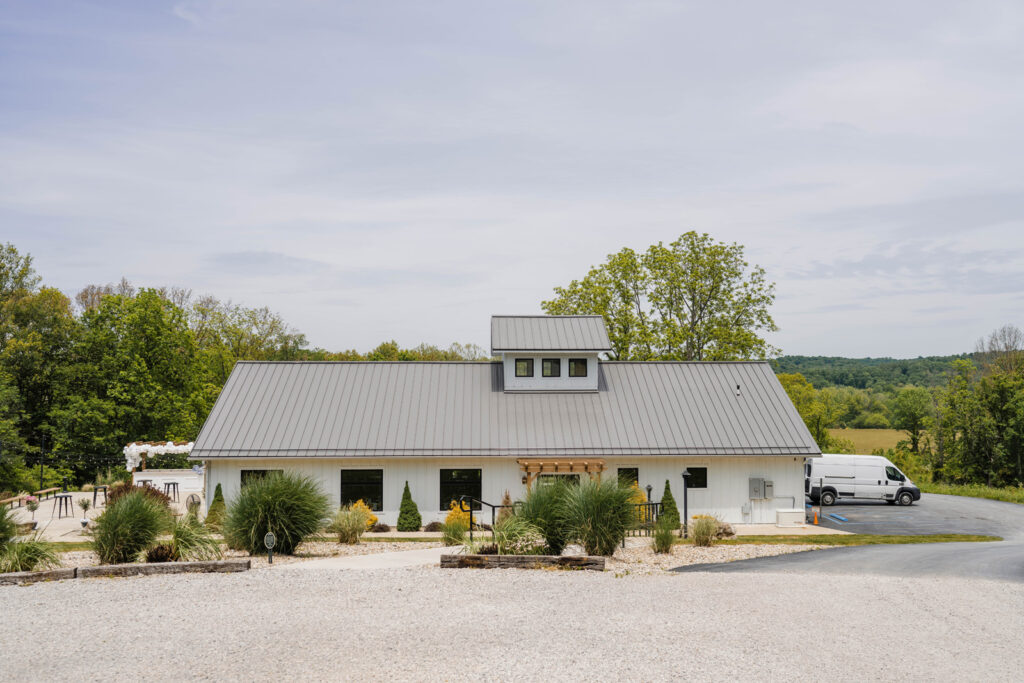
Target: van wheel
(906, 498)
(828, 498)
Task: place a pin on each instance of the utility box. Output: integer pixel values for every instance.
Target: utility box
(769, 489)
(756, 488)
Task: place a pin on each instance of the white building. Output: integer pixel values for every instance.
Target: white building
(548, 407)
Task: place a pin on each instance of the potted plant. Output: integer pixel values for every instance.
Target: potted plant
(85, 504)
(32, 503)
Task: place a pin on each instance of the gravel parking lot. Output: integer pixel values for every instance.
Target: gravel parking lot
(432, 624)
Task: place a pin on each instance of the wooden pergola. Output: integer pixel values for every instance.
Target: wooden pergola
(534, 467)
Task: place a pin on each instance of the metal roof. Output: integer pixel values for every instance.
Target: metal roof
(341, 409)
(548, 333)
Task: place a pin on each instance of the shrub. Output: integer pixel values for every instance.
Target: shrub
(597, 514)
(408, 514)
(118, 491)
(542, 508)
(703, 530)
(457, 514)
(380, 528)
(434, 526)
(669, 510)
(664, 536)
(636, 497)
(454, 532)
(191, 540)
(215, 514)
(8, 527)
(162, 552)
(128, 527)
(371, 519)
(518, 536)
(722, 529)
(27, 554)
(87, 488)
(505, 512)
(348, 524)
(289, 505)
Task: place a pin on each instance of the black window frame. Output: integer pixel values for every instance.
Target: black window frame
(246, 477)
(575, 363)
(529, 366)
(375, 501)
(629, 475)
(698, 478)
(556, 363)
(450, 489)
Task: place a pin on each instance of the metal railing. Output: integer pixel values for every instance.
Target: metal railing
(494, 510)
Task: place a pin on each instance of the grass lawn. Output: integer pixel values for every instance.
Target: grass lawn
(855, 539)
(866, 441)
(1008, 495)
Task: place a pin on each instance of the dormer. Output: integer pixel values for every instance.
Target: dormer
(549, 352)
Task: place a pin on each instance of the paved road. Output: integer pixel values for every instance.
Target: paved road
(933, 514)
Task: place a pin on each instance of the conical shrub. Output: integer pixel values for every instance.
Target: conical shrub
(669, 511)
(215, 515)
(408, 514)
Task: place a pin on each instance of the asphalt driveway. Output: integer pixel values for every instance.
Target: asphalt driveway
(933, 514)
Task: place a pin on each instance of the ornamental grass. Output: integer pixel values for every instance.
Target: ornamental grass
(289, 505)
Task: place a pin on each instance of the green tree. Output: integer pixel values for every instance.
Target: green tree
(912, 413)
(408, 514)
(669, 509)
(694, 299)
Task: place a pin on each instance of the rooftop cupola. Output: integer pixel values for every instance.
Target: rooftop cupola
(549, 352)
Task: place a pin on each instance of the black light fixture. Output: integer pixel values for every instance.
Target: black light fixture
(686, 512)
(649, 489)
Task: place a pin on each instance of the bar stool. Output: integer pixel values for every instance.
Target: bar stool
(96, 490)
(60, 502)
(171, 490)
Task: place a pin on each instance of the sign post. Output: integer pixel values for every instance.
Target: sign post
(269, 540)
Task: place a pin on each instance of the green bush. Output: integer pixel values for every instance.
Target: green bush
(348, 524)
(664, 536)
(597, 514)
(454, 532)
(27, 555)
(191, 540)
(129, 527)
(288, 504)
(408, 514)
(542, 507)
(215, 515)
(703, 530)
(118, 491)
(8, 527)
(669, 510)
(516, 535)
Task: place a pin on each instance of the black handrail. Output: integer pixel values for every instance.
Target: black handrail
(494, 509)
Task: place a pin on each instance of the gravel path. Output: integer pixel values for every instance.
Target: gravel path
(411, 624)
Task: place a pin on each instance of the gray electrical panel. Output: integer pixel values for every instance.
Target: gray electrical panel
(756, 488)
(769, 489)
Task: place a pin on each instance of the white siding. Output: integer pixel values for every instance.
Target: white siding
(541, 383)
(726, 495)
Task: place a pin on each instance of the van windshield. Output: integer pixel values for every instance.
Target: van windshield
(894, 474)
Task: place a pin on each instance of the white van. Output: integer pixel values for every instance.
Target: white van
(831, 477)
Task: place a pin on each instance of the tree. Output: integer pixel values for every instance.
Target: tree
(1002, 351)
(820, 410)
(669, 509)
(408, 514)
(912, 413)
(695, 299)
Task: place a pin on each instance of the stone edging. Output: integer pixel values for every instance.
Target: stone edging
(522, 562)
(113, 570)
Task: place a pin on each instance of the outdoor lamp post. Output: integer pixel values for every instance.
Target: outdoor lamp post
(686, 512)
(649, 489)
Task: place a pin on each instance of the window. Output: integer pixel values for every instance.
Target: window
(364, 485)
(577, 367)
(455, 483)
(893, 474)
(698, 478)
(249, 476)
(524, 367)
(552, 367)
(629, 475)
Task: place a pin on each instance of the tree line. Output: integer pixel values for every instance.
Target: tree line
(80, 378)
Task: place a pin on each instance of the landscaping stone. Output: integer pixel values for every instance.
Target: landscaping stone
(522, 562)
(211, 566)
(22, 578)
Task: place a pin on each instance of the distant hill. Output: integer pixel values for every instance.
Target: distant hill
(864, 373)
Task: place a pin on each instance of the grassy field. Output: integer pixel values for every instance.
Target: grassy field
(856, 539)
(866, 441)
(1008, 495)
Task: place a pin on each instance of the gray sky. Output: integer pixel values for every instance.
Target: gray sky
(404, 170)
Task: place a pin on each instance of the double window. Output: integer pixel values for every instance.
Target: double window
(364, 485)
(249, 476)
(456, 483)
